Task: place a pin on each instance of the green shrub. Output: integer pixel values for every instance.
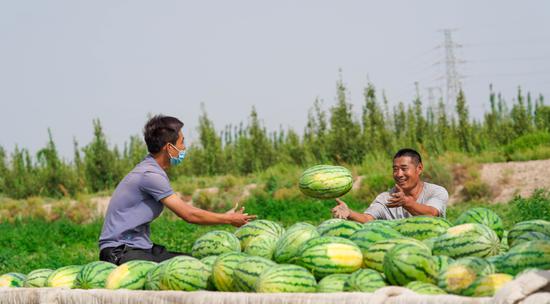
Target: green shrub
(535, 207)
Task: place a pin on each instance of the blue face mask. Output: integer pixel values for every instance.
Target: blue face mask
(174, 161)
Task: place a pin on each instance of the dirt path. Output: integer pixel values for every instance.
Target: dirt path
(510, 179)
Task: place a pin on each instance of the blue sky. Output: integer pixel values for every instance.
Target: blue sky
(64, 63)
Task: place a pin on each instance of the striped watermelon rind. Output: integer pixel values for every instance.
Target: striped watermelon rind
(487, 286)
(93, 275)
(422, 227)
(365, 280)
(405, 263)
(462, 273)
(224, 268)
(286, 278)
(12, 279)
(325, 181)
(64, 277)
(288, 245)
(215, 243)
(342, 228)
(209, 262)
(152, 278)
(369, 235)
(326, 255)
(37, 278)
(256, 228)
(263, 246)
(248, 271)
(532, 254)
(424, 288)
(332, 283)
(520, 228)
(483, 216)
(373, 256)
(470, 239)
(442, 262)
(184, 273)
(130, 275)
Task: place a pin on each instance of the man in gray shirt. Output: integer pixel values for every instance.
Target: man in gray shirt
(141, 196)
(410, 197)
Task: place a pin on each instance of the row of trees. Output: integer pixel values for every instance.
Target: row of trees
(338, 135)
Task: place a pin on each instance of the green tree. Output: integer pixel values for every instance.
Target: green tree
(99, 162)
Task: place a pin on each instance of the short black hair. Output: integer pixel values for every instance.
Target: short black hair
(160, 130)
(415, 156)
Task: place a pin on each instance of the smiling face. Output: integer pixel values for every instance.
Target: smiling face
(406, 173)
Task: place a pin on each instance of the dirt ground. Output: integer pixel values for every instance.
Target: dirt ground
(512, 178)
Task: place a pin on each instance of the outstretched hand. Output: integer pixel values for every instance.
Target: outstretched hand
(237, 217)
(341, 210)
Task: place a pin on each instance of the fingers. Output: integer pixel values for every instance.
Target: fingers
(251, 217)
(340, 202)
(398, 188)
(240, 210)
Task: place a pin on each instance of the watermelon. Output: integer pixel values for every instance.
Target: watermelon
(365, 280)
(382, 223)
(64, 277)
(130, 275)
(483, 216)
(520, 228)
(263, 246)
(462, 273)
(93, 275)
(224, 268)
(329, 254)
(37, 277)
(371, 234)
(531, 236)
(152, 279)
(422, 227)
(373, 256)
(286, 278)
(532, 254)
(341, 228)
(209, 262)
(405, 263)
(442, 262)
(184, 273)
(424, 288)
(504, 247)
(215, 243)
(326, 182)
(487, 286)
(12, 279)
(467, 240)
(256, 228)
(288, 245)
(247, 272)
(333, 283)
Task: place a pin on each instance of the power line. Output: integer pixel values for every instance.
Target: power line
(452, 76)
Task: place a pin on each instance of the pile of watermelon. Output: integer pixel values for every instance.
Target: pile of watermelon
(474, 256)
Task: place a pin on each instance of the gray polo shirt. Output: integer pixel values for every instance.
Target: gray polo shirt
(432, 195)
(134, 204)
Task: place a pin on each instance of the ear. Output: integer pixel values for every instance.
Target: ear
(420, 168)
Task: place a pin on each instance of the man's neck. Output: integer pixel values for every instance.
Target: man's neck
(162, 160)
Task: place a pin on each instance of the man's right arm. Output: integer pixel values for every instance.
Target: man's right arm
(343, 211)
(199, 216)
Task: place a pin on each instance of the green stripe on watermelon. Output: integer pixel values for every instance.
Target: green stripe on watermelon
(369, 235)
(487, 286)
(215, 243)
(422, 227)
(152, 279)
(130, 275)
(373, 256)
(209, 262)
(483, 216)
(326, 255)
(248, 271)
(532, 254)
(405, 263)
(288, 245)
(286, 278)
(93, 275)
(520, 228)
(424, 288)
(365, 280)
(325, 182)
(184, 273)
(224, 268)
(466, 240)
(38, 277)
(256, 228)
(12, 279)
(332, 283)
(64, 277)
(342, 228)
(462, 273)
